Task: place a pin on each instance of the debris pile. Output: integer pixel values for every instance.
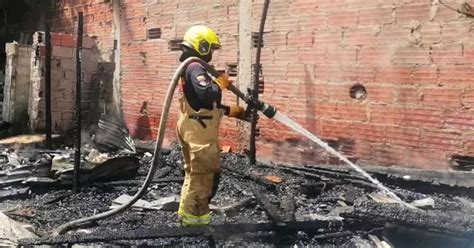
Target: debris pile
(30, 166)
(254, 206)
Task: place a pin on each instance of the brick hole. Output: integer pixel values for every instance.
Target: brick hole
(174, 45)
(358, 92)
(154, 33)
(255, 40)
(462, 162)
(232, 70)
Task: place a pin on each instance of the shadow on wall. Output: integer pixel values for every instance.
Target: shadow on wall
(143, 129)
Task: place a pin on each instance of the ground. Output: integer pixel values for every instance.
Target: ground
(334, 198)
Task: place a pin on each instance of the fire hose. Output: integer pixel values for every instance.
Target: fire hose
(266, 109)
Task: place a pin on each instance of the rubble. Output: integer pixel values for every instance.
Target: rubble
(308, 208)
(22, 141)
(12, 231)
(139, 205)
(423, 203)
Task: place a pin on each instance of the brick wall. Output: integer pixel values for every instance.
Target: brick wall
(63, 81)
(414, 58)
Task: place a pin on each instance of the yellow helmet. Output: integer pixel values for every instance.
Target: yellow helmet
(201, 39)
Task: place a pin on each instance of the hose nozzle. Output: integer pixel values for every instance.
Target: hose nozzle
(268, 110)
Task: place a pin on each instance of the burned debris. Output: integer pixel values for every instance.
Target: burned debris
(300, 210)
(33, 167)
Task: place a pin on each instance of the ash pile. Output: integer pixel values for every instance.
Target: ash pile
(262, 205)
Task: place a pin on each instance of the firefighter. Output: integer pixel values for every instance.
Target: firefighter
(198, 126)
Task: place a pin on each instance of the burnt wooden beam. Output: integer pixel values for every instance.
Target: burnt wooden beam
(216, 231)
(77, 143)
(248, 176)
(457, 224)
(47, 84)
(270, 209)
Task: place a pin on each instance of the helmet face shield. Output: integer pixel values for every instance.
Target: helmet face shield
(204, 47)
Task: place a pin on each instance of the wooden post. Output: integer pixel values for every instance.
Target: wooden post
(77, 145)
(253, 123)
(47, 83)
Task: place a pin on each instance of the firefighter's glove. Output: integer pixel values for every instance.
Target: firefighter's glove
(239, 113)
(223, 81)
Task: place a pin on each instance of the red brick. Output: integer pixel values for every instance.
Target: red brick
(335, 129)
(338, 92)
(430, 32)
(300, 73)
(368, 132)
(386, 115)
(394, 74)
(468, 98)
(375, 15)
(275, 39)
(312, 55)
(342, 18)
(456, 76)
(303, 7)
(394, 34)
(412, 12)
(358, 73)
(315, 21)
(327, 37)
(275, 71)
(286, 24)
(444, 140)
(425, 75)
(55, 39)
(419, 158)
(363, 151)
(352, 111)
(441, 97)
(332, 5)
(328, 73)
(460, 120)
(402, 136)
(448, 54)
(341, 55)
(455, 31)
(361, 36)
(422, 118)
(469, 144)
(374, 56)
(286, 56)
(469, 54)
(280, 8)
(411, 55)
(326, 109)
(408, 96)
(317, 91)
(380, 93)
(300, 39)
